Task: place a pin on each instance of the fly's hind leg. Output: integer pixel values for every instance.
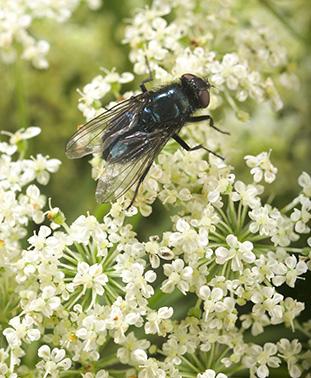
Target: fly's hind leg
(184, 145)
(141, 179)
(207, 118)
(148, 79)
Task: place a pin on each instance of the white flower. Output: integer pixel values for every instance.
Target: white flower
(39, 241)
(92, 331)
(264, 220)
(303, 216)
(137, 281)
(236, 75)
(89, 277)
(209, 373)
(97, 90)
(23, 134)
(246, 194)
(289, 271)
(53, 361)
(238, 252)
(211, 298)
(22, 330)
(129, 346)
(154, 319)
(149, 367)
(261, 166)
(178, 276)
(289, 351)
(85, 227)
(260, 358)
(304, 181)
(41, 167)
(154, 250)
(47, 303)
(284, 233)
(266, 299)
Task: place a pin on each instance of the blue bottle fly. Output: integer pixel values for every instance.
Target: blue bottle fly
(131, 134)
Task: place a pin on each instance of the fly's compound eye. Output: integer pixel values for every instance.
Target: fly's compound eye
(204, 98)
(197, 88)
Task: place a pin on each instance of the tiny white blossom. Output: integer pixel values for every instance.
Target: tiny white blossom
(259, 359)
(238, 252)
(89, 277)
(209, 373)
(247, 194)
(289, 351)
(53, 361)
(304, 181)
(261, 166)
(154, 319)
(178, 276)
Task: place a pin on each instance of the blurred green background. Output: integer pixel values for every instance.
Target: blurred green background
(93, 39)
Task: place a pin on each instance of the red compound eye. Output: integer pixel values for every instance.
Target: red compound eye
(204, 98)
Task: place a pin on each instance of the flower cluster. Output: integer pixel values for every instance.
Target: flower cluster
(179, 44)
(94, 92)
(16, 18)
(20, 198)
(85, 290)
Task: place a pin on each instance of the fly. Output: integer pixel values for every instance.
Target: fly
(131, 134)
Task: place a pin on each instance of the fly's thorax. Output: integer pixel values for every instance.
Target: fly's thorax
(169, 104)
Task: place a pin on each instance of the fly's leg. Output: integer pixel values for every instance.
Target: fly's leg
(141, 179)
(184, 145)
(148, 79)
(207, 118)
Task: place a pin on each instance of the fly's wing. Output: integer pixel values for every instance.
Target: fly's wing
(115, 121)
(121, 175)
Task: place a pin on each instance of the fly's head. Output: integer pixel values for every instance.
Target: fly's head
(197, 89)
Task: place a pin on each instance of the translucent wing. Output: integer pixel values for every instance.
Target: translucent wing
(115, 121)
(121, 175)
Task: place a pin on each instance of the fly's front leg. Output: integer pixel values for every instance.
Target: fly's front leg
(184, 145)
(141, 179)
(207, 118)
(148, 79)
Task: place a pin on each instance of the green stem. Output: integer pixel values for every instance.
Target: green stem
(211, 356)
(108, 361)
(115, 283)
(188, 363)
(198, 362)
(239, 221)
(188, 375)
(219, 236)
(74, 300)
(290, 206)
(224, 228)
(223, 215)
(220, 357)
(299, 327)
(110, 257)
(244, 213)
(232, 213)
(111, 292)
